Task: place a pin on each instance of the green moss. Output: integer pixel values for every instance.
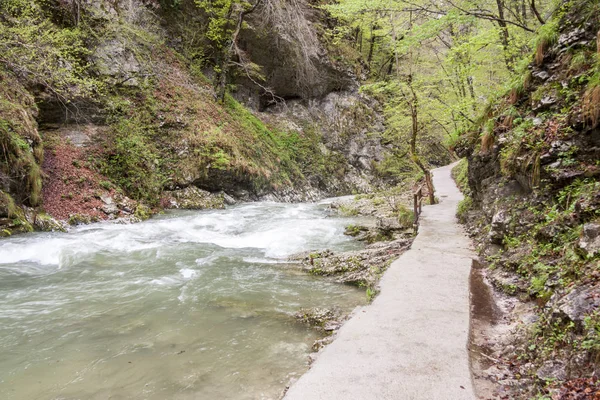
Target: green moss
(133, 162)
(142, 212)
(79, 219)
(353, 230)
(464, 206)
(348, 210)
(406, 217)
(371, 294)
(7, 205)
(460, 174)
(19, 141)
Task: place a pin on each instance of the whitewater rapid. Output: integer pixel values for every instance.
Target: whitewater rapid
(188, 305)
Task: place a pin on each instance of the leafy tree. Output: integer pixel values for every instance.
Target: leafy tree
(436, 64)
(226, 20)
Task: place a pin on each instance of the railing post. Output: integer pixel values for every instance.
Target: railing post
(416, 208)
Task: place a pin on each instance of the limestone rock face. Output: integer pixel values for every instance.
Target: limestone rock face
(282, 38)
(499, 227)
(193, 198)
(350, 127)
(590, 240)
(577, 304)
(552, 370)
(115, 59)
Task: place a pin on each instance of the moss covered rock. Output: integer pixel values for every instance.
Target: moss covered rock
(192, 198)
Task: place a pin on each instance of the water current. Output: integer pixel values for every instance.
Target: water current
(187, 305)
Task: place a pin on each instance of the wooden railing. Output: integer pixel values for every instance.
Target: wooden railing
(417, 206)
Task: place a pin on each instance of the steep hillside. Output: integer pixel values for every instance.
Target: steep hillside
(108, 108)
(534, 183)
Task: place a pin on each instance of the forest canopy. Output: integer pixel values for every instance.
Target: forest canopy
(437, 64)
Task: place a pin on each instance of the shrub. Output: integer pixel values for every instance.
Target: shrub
(463, 208)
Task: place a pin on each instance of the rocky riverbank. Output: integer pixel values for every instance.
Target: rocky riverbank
(387, 229)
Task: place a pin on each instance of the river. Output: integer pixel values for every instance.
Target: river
(187, 305)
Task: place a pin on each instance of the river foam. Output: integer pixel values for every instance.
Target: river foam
(187, 305)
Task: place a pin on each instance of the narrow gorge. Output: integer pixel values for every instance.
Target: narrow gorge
(205, 198)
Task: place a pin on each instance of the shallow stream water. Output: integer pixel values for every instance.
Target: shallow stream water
(188, 305)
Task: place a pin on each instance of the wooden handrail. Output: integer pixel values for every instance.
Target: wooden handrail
(417, 205)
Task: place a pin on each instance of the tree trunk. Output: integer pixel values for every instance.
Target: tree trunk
(230, 50)
(371, 45)
(537, 14)
(76, 11)
(414, 104)
(472, 91)
(504, 37)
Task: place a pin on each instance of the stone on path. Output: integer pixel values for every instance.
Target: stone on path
(411, 343)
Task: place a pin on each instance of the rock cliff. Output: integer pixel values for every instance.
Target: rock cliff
(112, 99)
(534, 185)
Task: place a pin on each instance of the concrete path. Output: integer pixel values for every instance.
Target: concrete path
(411, 343)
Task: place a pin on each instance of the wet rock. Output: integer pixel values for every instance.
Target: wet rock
(80, 219)
(193, 198)
(499, 227)
(109, 207)
(548, 100)
(590, 239)
(229, 200)
(106, 199)
(509, 188)
(557, 147)
(323, 319)
(555, 164)
(318, 345)
(548, 232)
(552, 370)
(356, 230)
(291, 195)
(41, 221)
(361, 268)
(546, 158)
(44, 222)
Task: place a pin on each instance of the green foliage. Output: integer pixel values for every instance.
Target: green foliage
(220, 15)
(353, 230)
(20, 144)
(460, 174)
(547, 36)
(371, 294)
(464, 206)
(134, 162)
(36, 49)
(142, 212)
(406, 217)
(348, 210)
(591, 340)
(7, 205)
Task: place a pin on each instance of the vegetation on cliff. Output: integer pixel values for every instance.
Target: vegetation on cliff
(124, 85)
(111, 108)
(533, 202)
